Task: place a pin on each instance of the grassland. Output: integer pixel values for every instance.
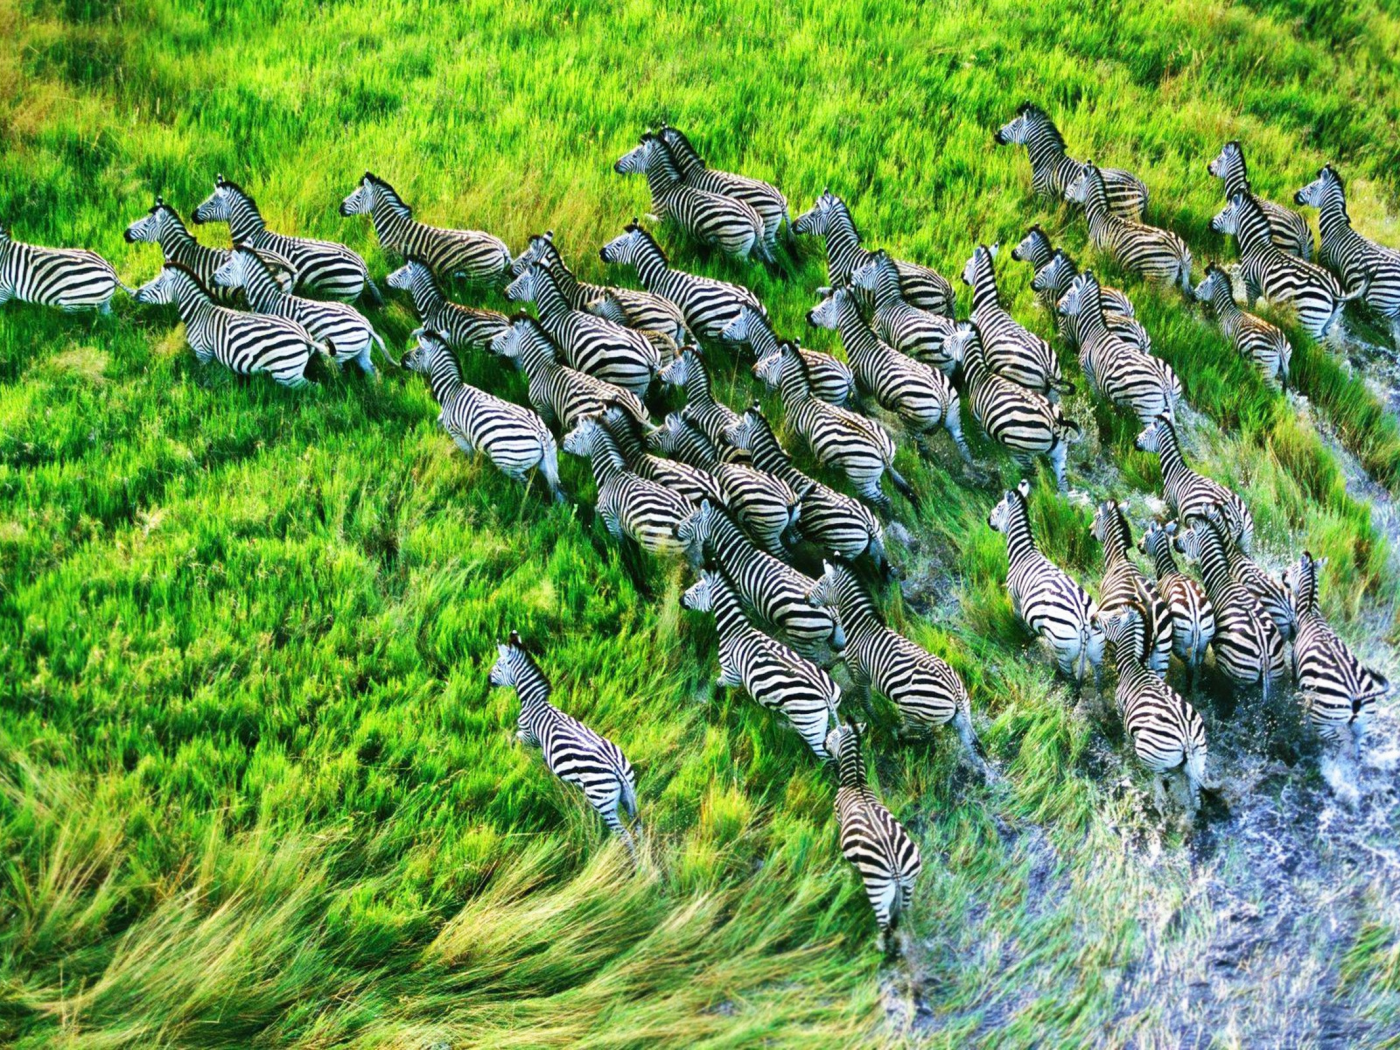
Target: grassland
(254, 788)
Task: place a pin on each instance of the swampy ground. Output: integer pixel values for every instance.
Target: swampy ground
(254, 787)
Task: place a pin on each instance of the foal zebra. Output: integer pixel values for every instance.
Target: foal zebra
(463, 327)
(324, 267)
(1190, 495)
(830, 218)
(1124, 586)
(872, 840)
(1043, 595)
(1255, 339)
(1338, 690)
(832, 380)
(163, 227)
(776, 677)
(911, 331)
(714, 418)
(513, 438)
(771, 205)
(242, 342)
(1150, 252)
(1193, 617)
(1288, 230)
(572, 752)
(1007, 348)
(472, 255)
(67, 278)
(1053, 171)
(1055, 273)
(722, 222)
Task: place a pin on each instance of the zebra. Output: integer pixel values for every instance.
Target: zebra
(767, 507)
(1288, 230)
(1190, 495)
(242, 342)
(1055, 272)
(841, 526)
(1339, 692)
(689, 481)
(829, 217)
(1118, 372)
(659, 319)
(771, 205)
(339, 326)
(1279, 277)
(477, 257)
(463, 327)
(601, 348)
(162, 226)
(832, 380)
(921, 396)
(560, 394)
(714, 418)
(774, 591)
(1367, 268)
(513, 438)
(1021, 421)
(927, 692)
(1053, 171)
(914, 332)
(1008, 348)
(1248, 647)
(323, 267)
(1149, 251)
(707, 304)
(1044, 596)
(572, 752)
(725, 223)
(884, 854)
(1167, 732)
(631, 507)
(859, 447)
(1193, 617)
(1124, 586)
(1271, 595)
(776, 677)
(70, 279)
(1256, 340)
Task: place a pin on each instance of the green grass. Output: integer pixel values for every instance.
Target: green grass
(254, 787)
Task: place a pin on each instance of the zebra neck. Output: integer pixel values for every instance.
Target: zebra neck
(176, 241)
(852, 771)
(575, 294)
(1333, 222)
(1115, 551)
(697, 387)
(1253, 235)
(193, 306)
(1169, 454)
(444, 379)
(605, 468)
(651, 266)
(767, 454)
(857, 613)
(533, 689)
(729, 613)
(1020, 543)
(984, 291)
(856, 335)
(1061, 170)
(1236, 181)
(1162, 561)
(390, 219)
(794, 386)
(262, 291)
(727, 540)
(549, 301)
(244, 222)
(1227, 311)
(427, 296)
(842, 243)
(1215, 570)
(662, 176)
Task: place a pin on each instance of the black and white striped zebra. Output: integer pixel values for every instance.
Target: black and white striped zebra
(601, 348)
(1055, 272)
(859, 447)
(926, 691)
(243, 343)
(1191, 495)
(714, 418)
(1278, 277)
(841, 526)
(1193, 617)
(725, 223)
(67, 278)
(1287, 229)
(769, 671)
(1121, 373)
(832, 380)
(323, 267)
(472, 255)
(690, 482)
(1256, 340)
(920, 395)
(774, 591)
(1149, 251)
(1008, 348)
(829, 217)
(709, 305)
(1267, 591)
(1053, 171)
(572, 752)
(884, 854)
(560, 394)
(771, 205)
(341, 327)
(1021, 421)
(1167, 732)
(513, 438)
(631, 507)
(1364, 266)
(1044, 596)
(917, 333)
(464, 327)
(1338, 690)
(1124, 586)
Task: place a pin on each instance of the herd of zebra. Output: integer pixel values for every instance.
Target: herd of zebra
(715, 486)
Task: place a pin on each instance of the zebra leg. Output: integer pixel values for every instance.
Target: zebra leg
(905, 489)
(873, 494)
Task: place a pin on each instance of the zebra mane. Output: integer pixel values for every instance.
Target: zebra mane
(4, 234)
(194, 277)
(395, 200)
(1035, 113)
(682, 140)
(229, 184)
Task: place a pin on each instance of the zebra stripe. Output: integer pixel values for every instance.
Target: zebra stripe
(1150, 252)
(832, 380)
(464, 328)
(1267, 591)
(1255, 339)
(67, 278)
(917, 333)
(766, 200)
(630, 506)
(1055, 273)
(1288, 230)
(1193, 617)
(1008, 349)
(714, 418)
(1053, 171)
(1189, 495)
(1124, 586)
(692, 483)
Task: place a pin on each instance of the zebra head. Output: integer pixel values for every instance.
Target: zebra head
(1077, 192)
(1216, 284)
(540, 248)
(964, 337)
(979, 265)
(234, 273)
(151, 226)
(1012, 508)
(1150, 440)
(1110, 526)
(868, 275)
(1081, 290)
(747, 323)
(770, 368)
(1315, 193)
(1227, 220)
(511, 342)
(680, 146)
(1018, 130)
(1228, 163)
(1300, 583)
(634, 161)
(1123, 629)
(431, 347)
(1154, 536)
(741, 434)
(623, 249)
(169, 285)
(814, 219)
(695, 529)
(699, 596)
(522, 289)
(513, 663)
(1056, 276)
(827, 312)
(407, 275)
(361, 202)
(843, 748)
(581, 440)
(677, 373)
(1035, 247)
(1188, 542)
(218, 206)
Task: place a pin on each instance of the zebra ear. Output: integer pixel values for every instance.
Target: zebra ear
(993, 248)
(860, 728)
(1024, 488)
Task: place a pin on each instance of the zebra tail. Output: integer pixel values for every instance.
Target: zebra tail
(372, 293)
(1196, 770)
(1183, 278)
(628, 798)
(905, 489)
(126, 288)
